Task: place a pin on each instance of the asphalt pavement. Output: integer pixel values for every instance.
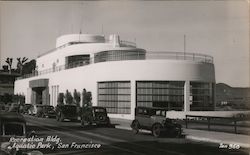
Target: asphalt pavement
(74, 139)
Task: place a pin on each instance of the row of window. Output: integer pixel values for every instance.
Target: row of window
(116, 55)
(201, 96)
(108, 85)
(160, 91)
(160, 94)
(114, 104)
(160, 84)
(114, 91)
(160, 98)
(115, 96)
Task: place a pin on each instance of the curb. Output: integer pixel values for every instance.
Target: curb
(122, 127)
(129, 128)
(195, 138)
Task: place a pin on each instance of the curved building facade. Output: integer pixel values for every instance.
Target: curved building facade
(121, 76)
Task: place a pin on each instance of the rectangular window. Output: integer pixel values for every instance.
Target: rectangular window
(201, 96)
(163, 94)
(115, 96)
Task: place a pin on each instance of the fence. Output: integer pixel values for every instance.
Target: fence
(219, 121)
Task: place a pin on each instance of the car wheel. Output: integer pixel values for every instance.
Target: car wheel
(57, 118)
(61, 118)
(178, 133)
(43, 116)
(156, 130)
(135, 127)
(83, 123)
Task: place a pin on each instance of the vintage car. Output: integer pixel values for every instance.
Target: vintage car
(66, 112)
(47, 111)
(154, 119)
(94, 115)
(35, 109)
(13, 125)
(25, 108)
(13, 107)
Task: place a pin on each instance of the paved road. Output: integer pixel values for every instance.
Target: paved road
(73, 140)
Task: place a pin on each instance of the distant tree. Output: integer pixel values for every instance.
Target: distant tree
(9, 62)
(77, 97)
(29, 67)
(7, 98)
(86, 98)
(20, 64)
(60, 99)
(68, 97)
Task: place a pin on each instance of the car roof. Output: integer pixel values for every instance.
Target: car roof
(153, 108)
(11, 117)
(98, 107)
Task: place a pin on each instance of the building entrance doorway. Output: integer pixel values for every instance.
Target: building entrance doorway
(40, 91)
(37, 95)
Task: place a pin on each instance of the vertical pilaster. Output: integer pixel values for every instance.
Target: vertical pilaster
(187, 96)
(133, 98)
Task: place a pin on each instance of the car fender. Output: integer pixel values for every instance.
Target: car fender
(155, 124)
(134, 122)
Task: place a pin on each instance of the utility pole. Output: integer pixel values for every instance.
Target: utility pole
(184, 46)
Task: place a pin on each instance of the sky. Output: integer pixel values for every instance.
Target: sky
(216, 28)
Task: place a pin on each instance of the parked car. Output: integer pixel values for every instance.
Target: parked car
(154, 119)
(66, 112)
(13, 125)
(35, 109)
(47, 111)
(26, 108)
(94, 115)
(13, 107)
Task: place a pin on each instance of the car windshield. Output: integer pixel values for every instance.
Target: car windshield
(99, 110)
(160, 113)
(49, 107)
(16, 129)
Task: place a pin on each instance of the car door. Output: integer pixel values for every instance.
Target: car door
(143, 117)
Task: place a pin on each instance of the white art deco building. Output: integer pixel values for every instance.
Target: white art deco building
(121, 76)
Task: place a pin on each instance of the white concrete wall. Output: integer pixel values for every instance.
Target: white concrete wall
(133, 70)
(48, 59)
(90, 38)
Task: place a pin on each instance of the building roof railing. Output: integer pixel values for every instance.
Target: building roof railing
(133, 56)
(123, 43)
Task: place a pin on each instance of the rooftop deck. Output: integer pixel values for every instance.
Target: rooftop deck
(133, 56)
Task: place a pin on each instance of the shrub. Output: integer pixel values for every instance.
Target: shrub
(86, 98)
(77, 97)
(60, 99)
(68, 97)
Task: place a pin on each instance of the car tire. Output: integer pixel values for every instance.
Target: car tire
(83, 123)
(178, 133)
(156, 130)
(61, 118)
(135, 127)
(57, 118)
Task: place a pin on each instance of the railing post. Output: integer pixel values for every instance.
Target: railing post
(208, 119)
(235, 126)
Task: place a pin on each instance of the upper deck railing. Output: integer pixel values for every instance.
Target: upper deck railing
(123, 43)
(133, 56)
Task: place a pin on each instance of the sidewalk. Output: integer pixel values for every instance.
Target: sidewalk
(199, 135)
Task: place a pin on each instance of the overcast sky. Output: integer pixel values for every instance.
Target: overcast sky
(216, 28)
